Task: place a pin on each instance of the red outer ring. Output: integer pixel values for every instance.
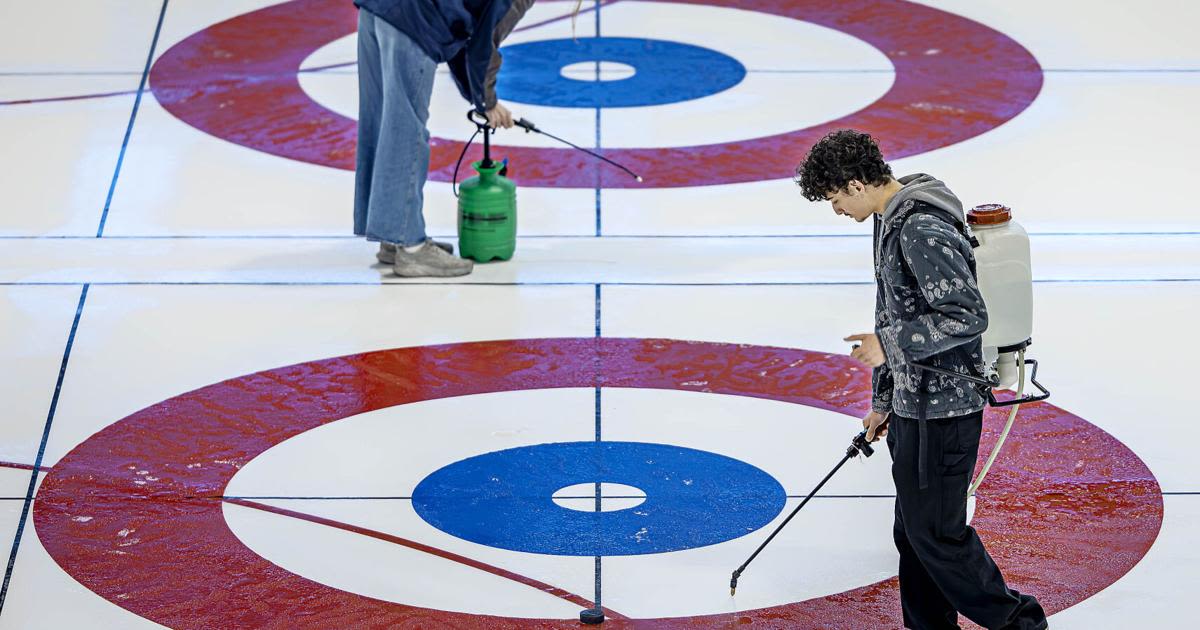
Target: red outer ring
(1067, 509)
(237, 80)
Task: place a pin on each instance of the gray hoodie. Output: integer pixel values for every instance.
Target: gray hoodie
(928, 308)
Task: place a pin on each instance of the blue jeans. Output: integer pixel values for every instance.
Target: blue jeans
(395, 83)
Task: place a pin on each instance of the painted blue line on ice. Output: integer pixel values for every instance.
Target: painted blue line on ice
(137, 103)
(37, 462)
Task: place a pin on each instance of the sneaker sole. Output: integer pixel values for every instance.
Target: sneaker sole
(390, 259)
(423, 271)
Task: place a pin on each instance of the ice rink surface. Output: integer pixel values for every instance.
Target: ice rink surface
(220, 413)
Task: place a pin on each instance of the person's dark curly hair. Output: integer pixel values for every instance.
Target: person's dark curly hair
(839, 157)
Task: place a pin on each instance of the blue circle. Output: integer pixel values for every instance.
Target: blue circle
(504, 499)
(665, 72)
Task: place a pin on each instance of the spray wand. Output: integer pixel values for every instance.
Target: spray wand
(481, 126)
(858, 445)
(529, 126)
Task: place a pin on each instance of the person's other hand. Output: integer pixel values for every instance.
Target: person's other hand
(876, 425)
(499, 116)
(868, 350)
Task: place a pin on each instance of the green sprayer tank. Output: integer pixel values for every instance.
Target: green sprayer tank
(487, 214)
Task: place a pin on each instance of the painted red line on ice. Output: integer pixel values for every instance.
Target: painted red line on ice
(57, 99)
(441, 553)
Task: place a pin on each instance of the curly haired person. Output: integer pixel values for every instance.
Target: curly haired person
(928, 310)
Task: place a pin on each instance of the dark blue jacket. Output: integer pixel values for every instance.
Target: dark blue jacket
(455, 32)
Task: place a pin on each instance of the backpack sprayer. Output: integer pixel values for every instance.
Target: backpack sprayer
(487, 203)
(1005, 279)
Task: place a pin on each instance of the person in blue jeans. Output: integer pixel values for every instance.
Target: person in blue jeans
(400, 44)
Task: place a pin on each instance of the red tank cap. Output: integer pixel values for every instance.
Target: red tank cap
(989, 214)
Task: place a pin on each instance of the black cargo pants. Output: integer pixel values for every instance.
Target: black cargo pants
(944, 569)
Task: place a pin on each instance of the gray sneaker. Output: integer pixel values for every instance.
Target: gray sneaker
(430, 261)
(387, 251)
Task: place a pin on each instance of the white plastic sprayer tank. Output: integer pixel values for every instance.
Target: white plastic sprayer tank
(1006, 281)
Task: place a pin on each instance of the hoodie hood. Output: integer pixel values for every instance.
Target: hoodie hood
(927, 189)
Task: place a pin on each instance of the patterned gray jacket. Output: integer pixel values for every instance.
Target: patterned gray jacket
(928, 308)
